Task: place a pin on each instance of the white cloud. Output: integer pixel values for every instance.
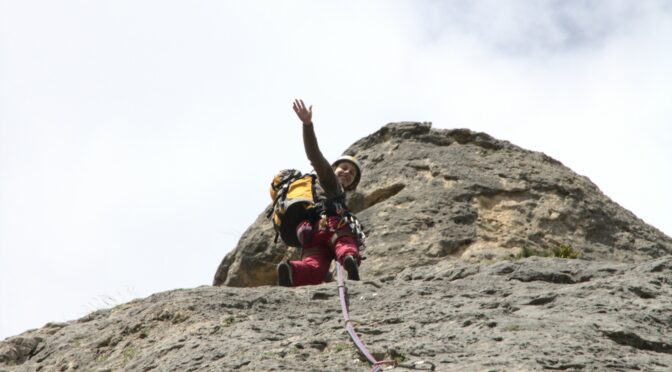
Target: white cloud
(129, 132)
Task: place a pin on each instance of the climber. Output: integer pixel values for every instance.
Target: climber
(329, 237)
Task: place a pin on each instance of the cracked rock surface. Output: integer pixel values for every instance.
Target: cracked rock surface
(531, 314)
(429, 195)
(447, 212)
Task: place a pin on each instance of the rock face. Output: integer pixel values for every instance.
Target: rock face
(447, 213)
(532, 314)
(429, 195)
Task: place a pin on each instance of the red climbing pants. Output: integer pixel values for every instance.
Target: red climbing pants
(319, 249)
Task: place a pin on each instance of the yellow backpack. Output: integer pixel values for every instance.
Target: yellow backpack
(294, 200)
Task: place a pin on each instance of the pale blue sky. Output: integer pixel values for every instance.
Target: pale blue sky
(137, 138)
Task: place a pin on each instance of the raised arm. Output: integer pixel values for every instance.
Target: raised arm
(322, 167)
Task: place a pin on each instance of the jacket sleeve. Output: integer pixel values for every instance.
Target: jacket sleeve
(331, 185)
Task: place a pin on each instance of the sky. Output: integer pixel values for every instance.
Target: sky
(138, 138)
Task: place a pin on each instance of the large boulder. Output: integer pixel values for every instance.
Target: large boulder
(448, 213)
(429, 195)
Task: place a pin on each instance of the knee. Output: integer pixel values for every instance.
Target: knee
(313, 262)
(346, 246)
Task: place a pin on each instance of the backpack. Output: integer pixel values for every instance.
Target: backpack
(295, 200)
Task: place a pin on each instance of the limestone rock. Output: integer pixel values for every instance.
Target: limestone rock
(447, 212)
(429, 195)
(515, 315)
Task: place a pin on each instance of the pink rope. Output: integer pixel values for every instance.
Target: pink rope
(375, 364)
(348, 323)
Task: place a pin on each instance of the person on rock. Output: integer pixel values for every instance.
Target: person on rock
(323, 240)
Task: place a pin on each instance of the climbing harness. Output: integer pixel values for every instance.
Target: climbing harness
(376, 366)
(296, 198)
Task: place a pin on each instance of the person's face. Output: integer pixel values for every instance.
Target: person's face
(346, 172)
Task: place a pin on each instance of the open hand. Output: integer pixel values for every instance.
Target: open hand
(306, 115)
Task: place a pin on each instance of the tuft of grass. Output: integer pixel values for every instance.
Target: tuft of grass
(561, 251)
(397, 356)
(341, 346)
(565, 251)
(228, 321)
(128, 353)
(102, 357)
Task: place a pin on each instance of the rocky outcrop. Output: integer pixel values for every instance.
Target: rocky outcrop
(448, 214)
(431, 195)
(531, 314)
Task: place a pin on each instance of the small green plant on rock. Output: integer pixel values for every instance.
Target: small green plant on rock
(341, 346)
(561, 251)
(228, 321)
(128, 353)
(397, 356)
(565, 251)
(296, 348)
(103, 356)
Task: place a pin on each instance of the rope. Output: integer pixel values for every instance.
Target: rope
(376, 366)
(348, 323)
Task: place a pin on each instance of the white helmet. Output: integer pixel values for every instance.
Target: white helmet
(354, 162)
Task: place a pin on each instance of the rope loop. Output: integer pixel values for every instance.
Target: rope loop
(376, 366)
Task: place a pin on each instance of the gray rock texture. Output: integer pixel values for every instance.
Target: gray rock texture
(532, 314)
(448, 213)
(429, 195)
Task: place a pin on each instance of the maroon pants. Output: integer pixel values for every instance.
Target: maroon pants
(318, 251)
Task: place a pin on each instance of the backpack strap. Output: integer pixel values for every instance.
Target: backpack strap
(282, 187)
